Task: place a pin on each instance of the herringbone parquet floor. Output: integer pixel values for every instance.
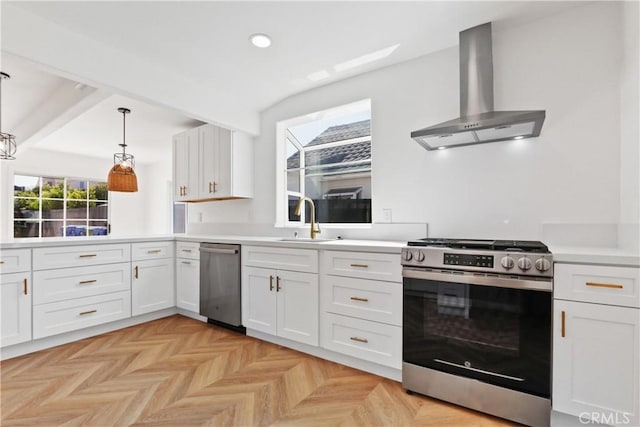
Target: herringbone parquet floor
(178, 371)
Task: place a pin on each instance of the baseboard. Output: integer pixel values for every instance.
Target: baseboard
(191, 314)
(56, 340)
(363, 365)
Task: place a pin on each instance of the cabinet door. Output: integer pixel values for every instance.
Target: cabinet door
(224, 164)
(259, 299)
(297, 306)
(15, 308)
(596, 361)
(152, 286)
(208, 161)
(188, 284)
(185, 165)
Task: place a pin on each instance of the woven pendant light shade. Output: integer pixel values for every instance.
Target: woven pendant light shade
(122, 178)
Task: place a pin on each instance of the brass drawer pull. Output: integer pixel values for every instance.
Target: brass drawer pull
(210, 187)
(270, 283)
(155, 251)
(136, 272)
(214, 187)
(360, 265)
(363, 340)
(278, 284)
(1, 262)
(604, 285)
(563, 324)
(360, 299)
(24, 289)
(186, 262)
(82, 313)
(84, 282)
(88, 255)
(186, 250)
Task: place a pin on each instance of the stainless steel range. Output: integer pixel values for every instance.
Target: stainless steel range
(477, 325)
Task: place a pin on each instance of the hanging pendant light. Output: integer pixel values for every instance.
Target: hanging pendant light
(8, 145)
(122, 177)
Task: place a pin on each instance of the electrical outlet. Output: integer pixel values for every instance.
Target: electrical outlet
(386, 215)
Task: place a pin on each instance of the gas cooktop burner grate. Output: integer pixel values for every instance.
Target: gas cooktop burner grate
(478, 244)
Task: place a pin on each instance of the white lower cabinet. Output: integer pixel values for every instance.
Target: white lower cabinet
(596, 343)
(282, 303)
(69, 315)
(596, 362)
(15, 308)
(188, 284)
(152, 286)
(372, 341)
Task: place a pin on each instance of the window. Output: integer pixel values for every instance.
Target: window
(50, 207)
(326, 156)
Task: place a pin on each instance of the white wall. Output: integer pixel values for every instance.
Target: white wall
(568, 64)
(131, 213)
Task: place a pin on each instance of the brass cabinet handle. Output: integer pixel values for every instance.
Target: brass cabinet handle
(84, 282)
(270, 283)
(214, 186)
(278, 284)
(88, 255)
(360, 265)
(364, 340)
(604, 285)
(210, 187)
(185, 190)
(186, 262)
(360, 299)
(82, 313)
(136, 272)
(562, 333)
(1, 262)
(24, 288)
(186, 250)
(155, 251)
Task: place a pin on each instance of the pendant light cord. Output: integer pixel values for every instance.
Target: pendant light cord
(124, 131)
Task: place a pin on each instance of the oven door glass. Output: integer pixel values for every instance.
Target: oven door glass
(497, 335)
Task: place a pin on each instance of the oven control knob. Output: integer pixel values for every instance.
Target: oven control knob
(418, 256)
(508, 263)
(524, 264)
(543, 265)
(407, 255)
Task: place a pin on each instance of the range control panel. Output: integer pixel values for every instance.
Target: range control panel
(466, 260)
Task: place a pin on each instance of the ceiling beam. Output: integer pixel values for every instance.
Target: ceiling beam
(65, 104)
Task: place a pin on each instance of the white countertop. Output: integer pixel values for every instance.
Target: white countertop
(347, 244)
(574, 254)
(595, 255)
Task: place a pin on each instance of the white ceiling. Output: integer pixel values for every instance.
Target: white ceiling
(98, 131)
(207, 44)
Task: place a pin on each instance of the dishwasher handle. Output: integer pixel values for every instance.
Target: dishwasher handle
(220, 251)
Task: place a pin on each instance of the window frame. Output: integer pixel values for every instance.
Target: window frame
(64, 220)
(282, 136)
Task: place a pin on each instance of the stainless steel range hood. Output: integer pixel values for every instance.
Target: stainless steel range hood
(479, 123)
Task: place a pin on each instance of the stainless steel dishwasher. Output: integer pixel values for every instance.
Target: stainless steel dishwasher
(220, 284)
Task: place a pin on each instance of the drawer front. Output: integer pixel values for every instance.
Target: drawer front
(78, 256)
(188, 250)
(63, 284)
(366, 299)
(64, 316)
(15, 260)
(363, 265)
(598, 284)
(151, 250)
(375, 342)
(304, 260)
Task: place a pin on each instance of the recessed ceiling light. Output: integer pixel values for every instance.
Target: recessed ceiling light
(441, 148)
(518, 137)
(260, 40)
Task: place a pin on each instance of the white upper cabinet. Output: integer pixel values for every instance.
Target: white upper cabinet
(212, 163)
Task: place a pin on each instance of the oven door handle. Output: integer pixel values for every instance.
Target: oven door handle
(474, 279)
